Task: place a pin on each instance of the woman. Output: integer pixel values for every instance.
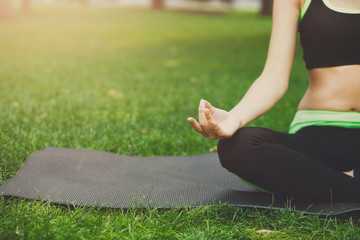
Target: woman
(324, 139)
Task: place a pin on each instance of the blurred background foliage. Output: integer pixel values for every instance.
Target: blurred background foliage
(123, 78)
(265, 6)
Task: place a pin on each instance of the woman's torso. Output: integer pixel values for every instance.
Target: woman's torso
(334, 88)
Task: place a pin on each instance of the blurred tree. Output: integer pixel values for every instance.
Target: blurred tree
(84, 2)
(25, 5)
(225, 1)
(157, 4)
(266, 7)
(5, 9)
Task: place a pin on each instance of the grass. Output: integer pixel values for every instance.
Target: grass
(124, 81)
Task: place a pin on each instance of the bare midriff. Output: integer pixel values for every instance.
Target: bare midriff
(333, 89)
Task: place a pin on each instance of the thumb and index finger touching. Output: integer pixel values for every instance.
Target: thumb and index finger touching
(207, 105)
(203, 107)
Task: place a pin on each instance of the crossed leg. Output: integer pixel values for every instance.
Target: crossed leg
(307, 165)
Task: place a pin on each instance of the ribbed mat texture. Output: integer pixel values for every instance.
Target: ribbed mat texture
(94, 178)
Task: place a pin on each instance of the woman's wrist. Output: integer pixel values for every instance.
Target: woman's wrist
(235, 119)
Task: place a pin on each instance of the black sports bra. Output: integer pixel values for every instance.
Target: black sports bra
(329, 37)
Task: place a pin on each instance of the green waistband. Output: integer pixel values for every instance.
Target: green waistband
(305, 118)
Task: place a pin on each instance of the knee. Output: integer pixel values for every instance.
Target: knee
(235, 151)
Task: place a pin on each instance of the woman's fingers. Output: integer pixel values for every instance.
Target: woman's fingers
(210, 107)
(202, 118)
(206, 125)
(210, 121)
(219, 131)
(212, 126)
(208, 117)
(196, 126)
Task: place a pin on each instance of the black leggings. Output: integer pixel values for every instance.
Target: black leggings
(307, 165)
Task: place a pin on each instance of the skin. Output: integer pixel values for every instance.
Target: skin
(350, 4)
(331, 88)
(334, 88)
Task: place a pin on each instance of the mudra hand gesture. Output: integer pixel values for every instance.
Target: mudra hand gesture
(214, 123)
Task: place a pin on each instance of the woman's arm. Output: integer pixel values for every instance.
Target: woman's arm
(269, 87)
(272, 84)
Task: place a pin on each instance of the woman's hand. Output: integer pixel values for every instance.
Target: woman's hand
(214, 123)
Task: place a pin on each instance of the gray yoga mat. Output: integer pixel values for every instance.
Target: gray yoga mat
(93, 178)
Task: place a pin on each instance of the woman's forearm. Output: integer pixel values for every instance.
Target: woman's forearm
(263, 94)
(269, 87)
(273, 82)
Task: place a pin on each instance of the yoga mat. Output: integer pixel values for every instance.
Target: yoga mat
(94, 178)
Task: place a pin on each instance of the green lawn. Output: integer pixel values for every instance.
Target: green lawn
(124, 81)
